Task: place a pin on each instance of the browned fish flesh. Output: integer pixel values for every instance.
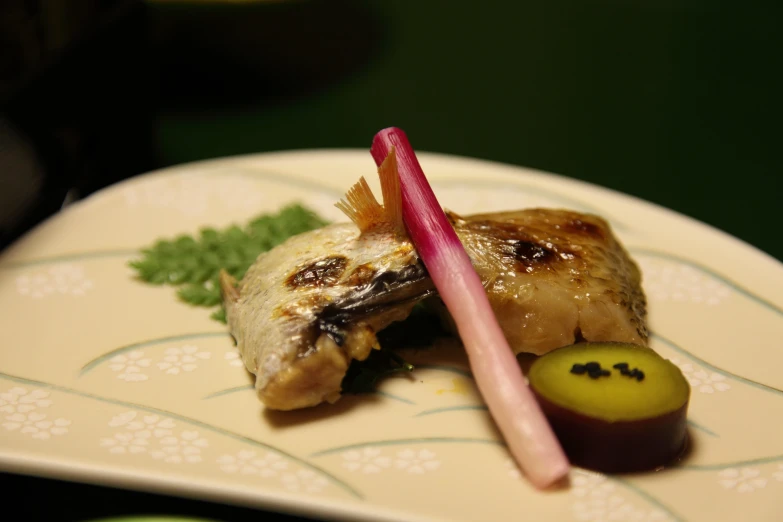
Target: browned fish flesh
(555, 277)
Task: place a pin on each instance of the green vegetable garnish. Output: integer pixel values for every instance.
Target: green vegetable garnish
(193, 263)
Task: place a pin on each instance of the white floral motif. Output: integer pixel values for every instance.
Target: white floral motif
(304, 480)
(36, 425)
(708, 382)
(598, 501)
(129, 366)
(246, 462)
(60, 279)
(233, 358)
(169, 192)
(154, 434)
(154, 424)
(702, 380)
(192, 195)
(368, 460)
(417, 462)
(779, 473)
(271, 465)
(744, 480)
(19, 400)
(667, 280)
(127, 441)
(184, 448)
(182, 359)
(19, 406)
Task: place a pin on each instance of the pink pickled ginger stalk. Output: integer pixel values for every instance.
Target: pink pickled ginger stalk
(498, 375)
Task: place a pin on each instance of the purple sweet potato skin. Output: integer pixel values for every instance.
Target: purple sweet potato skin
(619, 447)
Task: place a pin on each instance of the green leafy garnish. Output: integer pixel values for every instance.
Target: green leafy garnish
(193, 263)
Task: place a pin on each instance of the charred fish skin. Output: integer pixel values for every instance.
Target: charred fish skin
(306, 308)
(555, 277)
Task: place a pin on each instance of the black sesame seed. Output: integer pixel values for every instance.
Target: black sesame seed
(593, 366)
(640, 376)
(578, 369)
(596, 374)
(625, 371)
(621, 366)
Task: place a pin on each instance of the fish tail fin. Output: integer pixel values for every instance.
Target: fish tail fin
(390, 188)
(361, 206)
(363, 209)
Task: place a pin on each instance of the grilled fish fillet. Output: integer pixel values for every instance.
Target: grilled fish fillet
(306, 308)
(313, 303)
(555, 277)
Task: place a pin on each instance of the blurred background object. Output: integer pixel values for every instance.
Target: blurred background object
(75, 102)
(22, 178)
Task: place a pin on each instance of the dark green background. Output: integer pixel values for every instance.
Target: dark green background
(677, 102)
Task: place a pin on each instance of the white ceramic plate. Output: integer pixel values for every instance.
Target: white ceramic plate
(109, 380)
